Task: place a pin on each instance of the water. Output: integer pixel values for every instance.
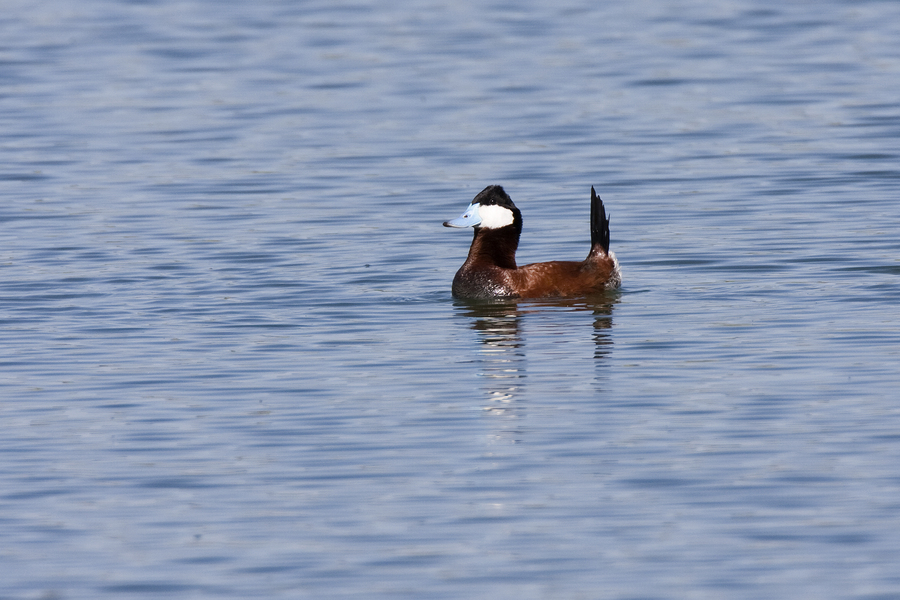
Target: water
(230, 364)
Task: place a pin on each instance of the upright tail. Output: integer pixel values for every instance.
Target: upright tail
(599, 225)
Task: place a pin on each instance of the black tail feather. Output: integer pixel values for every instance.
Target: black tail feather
(599, 224)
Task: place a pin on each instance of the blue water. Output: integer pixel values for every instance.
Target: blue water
(231, 366)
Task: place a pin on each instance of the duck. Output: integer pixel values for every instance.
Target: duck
(490, 270)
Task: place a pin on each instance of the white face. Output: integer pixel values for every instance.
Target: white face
(488, 217)
(494, 217)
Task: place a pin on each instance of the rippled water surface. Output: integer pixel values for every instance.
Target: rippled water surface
(231, 366)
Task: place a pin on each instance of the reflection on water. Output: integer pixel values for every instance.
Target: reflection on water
(501, 328)
(602, 325)
(501, 354)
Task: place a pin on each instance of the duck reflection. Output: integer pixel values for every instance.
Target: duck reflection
(501, 354)
(502, 351)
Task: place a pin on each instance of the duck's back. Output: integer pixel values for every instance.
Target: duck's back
(561, 278)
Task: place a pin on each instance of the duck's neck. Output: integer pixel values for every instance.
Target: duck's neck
(495, 247)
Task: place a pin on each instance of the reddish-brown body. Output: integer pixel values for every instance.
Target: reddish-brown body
(490, 271)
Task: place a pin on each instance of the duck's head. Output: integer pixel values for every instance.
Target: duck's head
(492, 208)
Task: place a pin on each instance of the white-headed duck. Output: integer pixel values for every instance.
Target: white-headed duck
(490, 270)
